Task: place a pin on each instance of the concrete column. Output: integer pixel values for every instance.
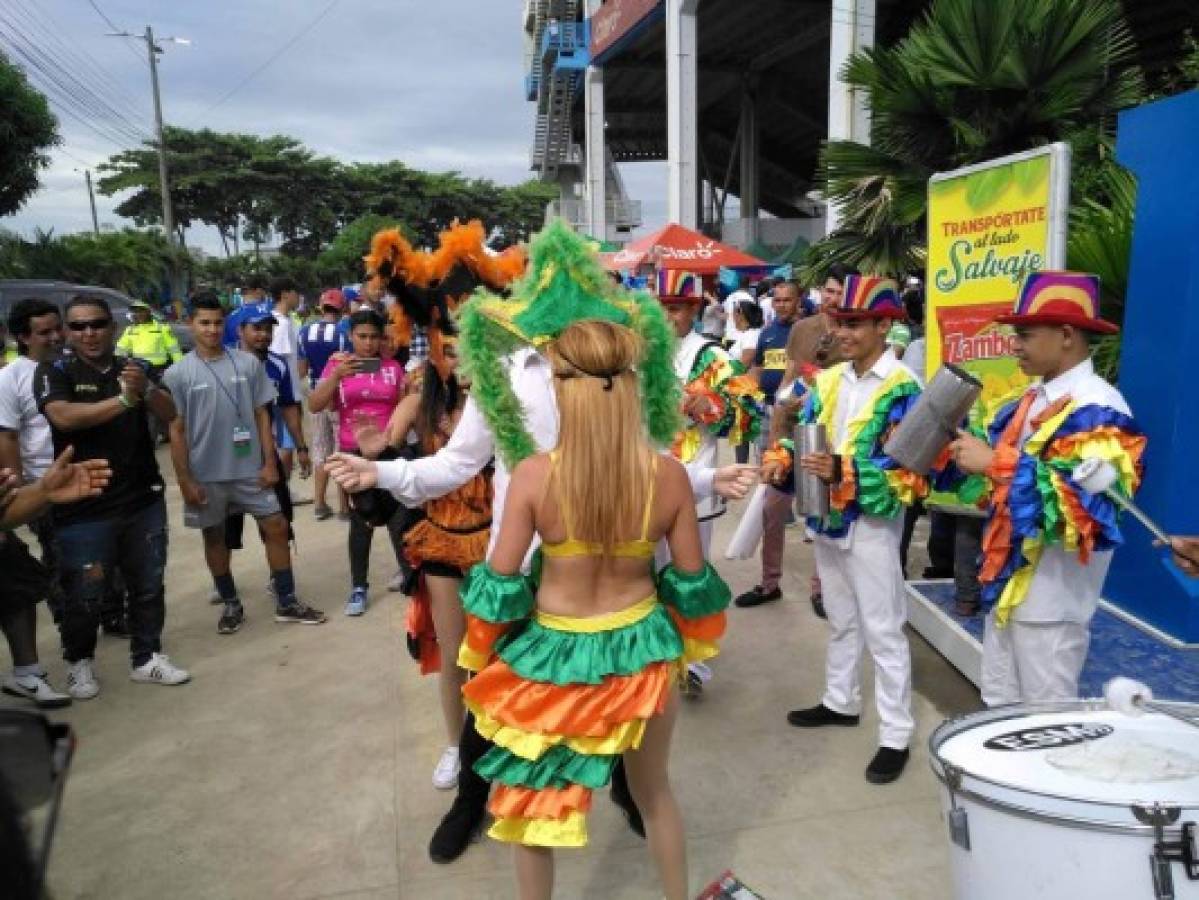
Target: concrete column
(682, 111)
(749, 166)
(595, 147)
(848, 117)
(596, 181)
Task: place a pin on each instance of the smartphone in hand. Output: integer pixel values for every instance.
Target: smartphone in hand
(369, 365)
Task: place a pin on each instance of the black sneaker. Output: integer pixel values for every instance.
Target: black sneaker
(817, 599)
(231, 619)
(297, 613)
(755, 596)
(886, 766)
(456, 831)
(623, 798)
(818, 716)
(115, 626)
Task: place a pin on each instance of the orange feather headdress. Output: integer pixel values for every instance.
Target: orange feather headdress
(430, 286)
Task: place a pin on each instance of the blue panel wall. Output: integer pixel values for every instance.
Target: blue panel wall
(1159, 365)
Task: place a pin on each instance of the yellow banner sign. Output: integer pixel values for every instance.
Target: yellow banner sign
(989, 226)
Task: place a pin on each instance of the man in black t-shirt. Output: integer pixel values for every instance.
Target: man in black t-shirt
(97, 402)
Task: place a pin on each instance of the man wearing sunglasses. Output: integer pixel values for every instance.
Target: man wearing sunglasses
(100, 404)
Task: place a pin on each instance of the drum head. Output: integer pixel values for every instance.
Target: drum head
(1082, 752)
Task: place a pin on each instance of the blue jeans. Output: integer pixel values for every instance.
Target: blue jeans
(135, 543)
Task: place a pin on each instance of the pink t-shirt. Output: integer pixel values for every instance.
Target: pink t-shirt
(377, 395)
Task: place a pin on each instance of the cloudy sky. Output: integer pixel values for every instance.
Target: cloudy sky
(434, 83)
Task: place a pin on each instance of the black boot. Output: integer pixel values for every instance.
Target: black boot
(623, 797)
(457, 829)
(462, 824)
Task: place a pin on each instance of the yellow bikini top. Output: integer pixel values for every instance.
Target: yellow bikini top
(643, 548)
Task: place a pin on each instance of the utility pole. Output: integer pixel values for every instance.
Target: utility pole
(152, 51)
(168, 219)
(91, 196)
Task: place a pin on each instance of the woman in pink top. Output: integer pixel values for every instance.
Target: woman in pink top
(361, 386)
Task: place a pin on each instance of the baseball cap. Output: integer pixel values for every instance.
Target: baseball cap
(258, 316)
(350, 293)
(334, 298)
(140, 304)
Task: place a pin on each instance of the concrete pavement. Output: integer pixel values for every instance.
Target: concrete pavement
(297, 762)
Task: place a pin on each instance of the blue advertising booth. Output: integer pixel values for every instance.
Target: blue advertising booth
(1159, 363)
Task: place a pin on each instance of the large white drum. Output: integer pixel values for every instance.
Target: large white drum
(1070, 800)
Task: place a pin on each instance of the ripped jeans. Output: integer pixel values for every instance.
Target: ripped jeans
(136, 543)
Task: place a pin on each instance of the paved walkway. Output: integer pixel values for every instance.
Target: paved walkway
(297, 763)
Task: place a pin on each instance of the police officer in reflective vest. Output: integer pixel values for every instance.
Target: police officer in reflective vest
(149, 340)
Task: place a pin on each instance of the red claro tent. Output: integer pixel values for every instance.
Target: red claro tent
(676, 247)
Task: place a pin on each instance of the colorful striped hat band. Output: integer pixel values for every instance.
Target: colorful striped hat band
(1059, 298)
(870, 296)
(679, 286)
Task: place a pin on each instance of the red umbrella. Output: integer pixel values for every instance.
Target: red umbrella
(676, 247)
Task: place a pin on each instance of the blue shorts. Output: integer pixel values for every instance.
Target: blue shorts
(283, 439)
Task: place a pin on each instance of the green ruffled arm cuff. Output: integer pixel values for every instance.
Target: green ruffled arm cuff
(694, 594)
(496, 598)
(876, 496)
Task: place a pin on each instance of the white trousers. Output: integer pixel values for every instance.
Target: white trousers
(864, 601)
(1032, 662)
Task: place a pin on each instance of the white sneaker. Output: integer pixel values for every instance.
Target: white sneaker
(397, 581)
(445, 776)
(158, 669)
(81, 680)
(37, 689)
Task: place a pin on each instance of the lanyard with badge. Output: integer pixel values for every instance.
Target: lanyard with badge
(242, 443)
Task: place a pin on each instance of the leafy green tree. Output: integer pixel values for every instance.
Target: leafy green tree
(255, 188)
(974, 80)
(140, 263)
(344, 255)
(27, 130)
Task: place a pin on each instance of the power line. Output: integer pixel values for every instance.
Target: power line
(64, 96)
(109, 22)
(287, 46)
(48, 34)
(71, 89)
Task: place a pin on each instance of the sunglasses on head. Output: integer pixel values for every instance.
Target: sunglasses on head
(93, 324)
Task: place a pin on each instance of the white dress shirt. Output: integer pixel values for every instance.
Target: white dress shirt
(472, 446)
(1062, 588)
(854, 393)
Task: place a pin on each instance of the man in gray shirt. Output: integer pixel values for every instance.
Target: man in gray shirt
(223, 450)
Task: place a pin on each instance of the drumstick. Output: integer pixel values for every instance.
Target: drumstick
(1133, 698)
(1098, 476)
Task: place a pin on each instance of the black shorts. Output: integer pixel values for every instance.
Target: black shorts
(26, 581)
(440, 569)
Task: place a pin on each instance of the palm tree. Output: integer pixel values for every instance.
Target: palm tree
(974, 80)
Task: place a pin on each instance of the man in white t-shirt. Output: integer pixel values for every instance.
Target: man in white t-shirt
(26, 447)
(731, 332)
(285, 343)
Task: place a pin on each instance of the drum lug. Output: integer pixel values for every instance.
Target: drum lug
(959, 824)
(1185, 850)
(959, 827)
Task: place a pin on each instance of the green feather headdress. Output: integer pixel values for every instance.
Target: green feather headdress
(564, 284)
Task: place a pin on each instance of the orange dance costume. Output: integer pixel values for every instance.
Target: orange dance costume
(562, 697)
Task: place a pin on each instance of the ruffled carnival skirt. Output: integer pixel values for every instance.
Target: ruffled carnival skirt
(561, 698)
